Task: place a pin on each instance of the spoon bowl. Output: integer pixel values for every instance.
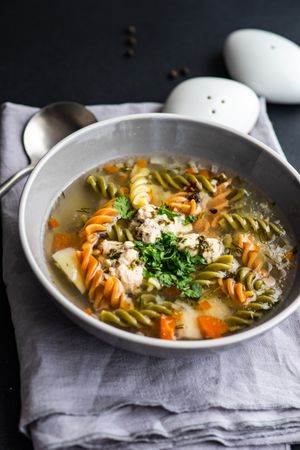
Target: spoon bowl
(45, 129)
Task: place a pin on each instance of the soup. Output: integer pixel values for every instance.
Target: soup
(172, 249)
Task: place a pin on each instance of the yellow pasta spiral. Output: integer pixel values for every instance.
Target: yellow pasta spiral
(140, 190)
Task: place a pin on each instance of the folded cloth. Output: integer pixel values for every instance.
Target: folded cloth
(80, 393)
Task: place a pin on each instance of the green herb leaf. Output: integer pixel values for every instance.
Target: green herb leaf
(189, 219)
(194, 290)
(167, 212)
(123, 205)
(170, 265)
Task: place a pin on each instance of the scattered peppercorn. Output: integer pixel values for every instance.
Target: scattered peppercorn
(129, 53)
(173, 74)
(213, 211)
(131, 29)
(184, 71)
(131, 40)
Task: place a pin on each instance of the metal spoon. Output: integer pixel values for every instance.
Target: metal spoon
(45, 129)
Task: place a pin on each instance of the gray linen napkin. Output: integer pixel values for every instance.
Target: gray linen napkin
(79, 393)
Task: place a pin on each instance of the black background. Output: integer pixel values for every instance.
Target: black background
(70, 50)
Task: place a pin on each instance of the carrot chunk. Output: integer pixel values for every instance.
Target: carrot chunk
(204, 305)
(211, 327)
(167, 327)
(190, 170)
(111, 168)
(204, 173)
(53, 223)
(60, 241)
(141, 163)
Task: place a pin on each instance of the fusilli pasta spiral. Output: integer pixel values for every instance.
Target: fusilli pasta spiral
(252, 312)
(100, 185)
(181, 202)
(247, 223)
(140, 190)
(178, 182)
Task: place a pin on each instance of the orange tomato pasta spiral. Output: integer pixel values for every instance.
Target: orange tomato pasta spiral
(252, 256)
(236, 291)
(180, 202)
(100, 219)
(112, 291)
(208, 221)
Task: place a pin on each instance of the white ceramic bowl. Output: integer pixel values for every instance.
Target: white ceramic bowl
(150, 134)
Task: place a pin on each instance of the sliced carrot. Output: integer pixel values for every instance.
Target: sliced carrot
(61, 240)
(111, 168)
(204, 305)
(167, 327)
(190, 170)
(211, 327)
(204, 173)
(141, 163)
(53, 223)
(88, 311)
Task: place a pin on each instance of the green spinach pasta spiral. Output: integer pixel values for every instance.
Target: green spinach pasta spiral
(168, 180)
(119, 233)
(215, 270)
(249, 223)
(255, 310)
(136, 318)
(99, 185)
(249, 278)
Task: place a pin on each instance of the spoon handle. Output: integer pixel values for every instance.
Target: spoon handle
(14, 179)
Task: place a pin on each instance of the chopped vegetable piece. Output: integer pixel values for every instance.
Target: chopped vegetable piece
(88, 311)
(67, 261)
(204, 173)
(53, 223)
(167, 327)
(141, 163)
(60, 241)
(111, 168)
(204, 305)
(211, 327)
(190, 170)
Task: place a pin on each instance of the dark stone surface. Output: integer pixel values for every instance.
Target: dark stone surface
(70, 50)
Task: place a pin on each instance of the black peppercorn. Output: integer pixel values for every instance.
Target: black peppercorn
(131, 29)
(173, 74)
(184, 71)
(129, 53)
(131, 40)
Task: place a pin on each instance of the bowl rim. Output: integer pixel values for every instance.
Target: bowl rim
(117, 333)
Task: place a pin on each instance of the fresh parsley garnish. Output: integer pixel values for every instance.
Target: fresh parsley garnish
(170, 265)
(190, 219)
(167, 212)
(123, 205)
